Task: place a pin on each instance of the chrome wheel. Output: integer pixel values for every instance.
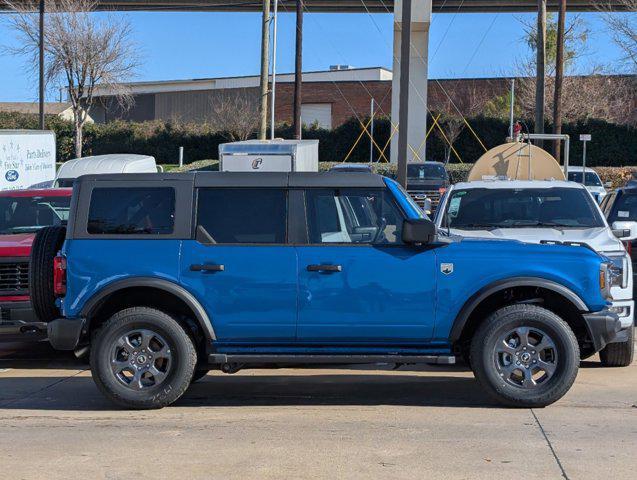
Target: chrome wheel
(141, 359)
(525, 357)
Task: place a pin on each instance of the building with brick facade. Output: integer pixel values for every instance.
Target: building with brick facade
(329, 98)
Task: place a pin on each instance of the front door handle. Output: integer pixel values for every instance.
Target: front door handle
(207, 267)
(324, 268)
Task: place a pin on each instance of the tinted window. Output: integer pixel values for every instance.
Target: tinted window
(353, 216)
(29, 214)
(427, 171)
(625, 208)
(592, 179)
(243, 215)
(515, 208)
(132, 211)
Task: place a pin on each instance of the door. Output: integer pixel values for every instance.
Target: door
(358, 282)
(240, 267)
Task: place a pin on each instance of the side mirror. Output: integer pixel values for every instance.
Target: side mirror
(418, 231)
(608, 185)
(625, 230)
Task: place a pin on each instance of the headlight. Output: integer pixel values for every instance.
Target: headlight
(620, 261)
(609, 276)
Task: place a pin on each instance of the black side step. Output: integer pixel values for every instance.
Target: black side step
(221, 358)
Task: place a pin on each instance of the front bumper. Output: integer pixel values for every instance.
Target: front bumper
(19, 323)
(65, 333)
(603, 327)
(625, 310)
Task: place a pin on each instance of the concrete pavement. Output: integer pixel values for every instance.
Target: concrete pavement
(430, 422)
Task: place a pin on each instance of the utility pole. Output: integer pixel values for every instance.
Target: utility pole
(41, 72)
(274, 37)
(403, 112)
(559, 79)
(540, 77)
(298, 69)
(265, 68)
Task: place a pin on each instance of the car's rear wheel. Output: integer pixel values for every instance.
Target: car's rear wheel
(525, 356)
(46, 244)
(619, 354)
(142, 358)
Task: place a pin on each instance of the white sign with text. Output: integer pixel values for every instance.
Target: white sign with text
(27, 157)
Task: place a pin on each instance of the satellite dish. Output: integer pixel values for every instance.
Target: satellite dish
(517, 161)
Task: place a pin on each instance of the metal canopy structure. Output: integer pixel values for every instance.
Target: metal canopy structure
(375, 6)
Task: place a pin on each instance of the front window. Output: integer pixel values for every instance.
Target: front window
(624, 209)
(29, 214)
(426, 171)
(592, 179)
(490, 208)
(359, 216)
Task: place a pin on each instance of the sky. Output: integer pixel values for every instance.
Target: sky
(198, 45)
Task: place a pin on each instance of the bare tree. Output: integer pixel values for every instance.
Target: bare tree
(82, 51)
(623, 27)
(235, 113)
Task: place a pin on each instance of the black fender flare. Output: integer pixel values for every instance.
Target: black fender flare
(488, 290)
(201, 316)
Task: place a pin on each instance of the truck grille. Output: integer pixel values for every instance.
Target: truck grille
(14, 277)
(418, 196)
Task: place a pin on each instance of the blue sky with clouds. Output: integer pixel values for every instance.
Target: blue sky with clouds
(195, 45)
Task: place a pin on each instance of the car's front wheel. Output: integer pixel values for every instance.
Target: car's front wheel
(525, 356)
(619, 354)
(142, 358)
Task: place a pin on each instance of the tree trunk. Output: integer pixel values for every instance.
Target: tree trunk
(298, 69)
(265, 53)
(559, 79)
(541, 69)
(78, 137)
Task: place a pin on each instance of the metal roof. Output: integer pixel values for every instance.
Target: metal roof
(376, 6)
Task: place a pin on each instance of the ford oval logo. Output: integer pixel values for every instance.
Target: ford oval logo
(11, 175)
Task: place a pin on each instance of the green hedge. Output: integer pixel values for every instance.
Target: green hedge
(612, 145)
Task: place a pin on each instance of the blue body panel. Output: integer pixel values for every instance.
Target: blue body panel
(254, 299)
(382, 295)
(385, 299)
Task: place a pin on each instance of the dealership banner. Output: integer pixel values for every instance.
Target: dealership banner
(27, 157)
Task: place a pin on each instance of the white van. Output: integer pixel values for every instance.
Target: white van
(100, 164)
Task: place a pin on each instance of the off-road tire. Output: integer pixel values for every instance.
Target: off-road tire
(483, 361)
(46, 244)
(619, 354)
(182, 351)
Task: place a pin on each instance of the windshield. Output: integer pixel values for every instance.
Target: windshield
(486, 208)
(29, 214)
(592, 179)
(426, 171)
(625, 208)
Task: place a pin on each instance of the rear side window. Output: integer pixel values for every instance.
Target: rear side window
(132, 211)
(242, 215)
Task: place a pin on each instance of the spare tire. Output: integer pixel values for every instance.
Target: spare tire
(46, 245)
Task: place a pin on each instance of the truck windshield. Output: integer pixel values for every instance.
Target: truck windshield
(490, 208)
(592, 179)
(29, 214)
(426, 171)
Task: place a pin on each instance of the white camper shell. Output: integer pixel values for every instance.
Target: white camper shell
(269, 156)
(100, 164)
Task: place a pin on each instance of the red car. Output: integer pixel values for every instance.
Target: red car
(22, 213)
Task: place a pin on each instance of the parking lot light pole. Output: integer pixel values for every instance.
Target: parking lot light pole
(41, 70)
(584, 138)
(403, 109)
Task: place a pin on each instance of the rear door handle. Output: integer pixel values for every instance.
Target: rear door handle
(324, 268)
(207, 267)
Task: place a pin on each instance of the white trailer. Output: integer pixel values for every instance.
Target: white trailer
(269, 156)
(27, 156)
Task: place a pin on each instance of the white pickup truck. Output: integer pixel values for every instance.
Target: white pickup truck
(539, 211)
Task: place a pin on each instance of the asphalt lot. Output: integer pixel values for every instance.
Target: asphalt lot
(430, 422)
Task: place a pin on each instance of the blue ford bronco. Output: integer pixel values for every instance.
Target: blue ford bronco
(163, 277)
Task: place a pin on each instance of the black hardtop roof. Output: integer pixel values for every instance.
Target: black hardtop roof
(250, 179)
